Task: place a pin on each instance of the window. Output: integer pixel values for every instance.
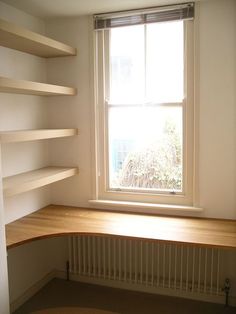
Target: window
(144, 106)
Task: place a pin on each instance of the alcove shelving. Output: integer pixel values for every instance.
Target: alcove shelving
(19, 38)
(33, 135)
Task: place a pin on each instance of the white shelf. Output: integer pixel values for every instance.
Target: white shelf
(33, 135)
(8, 85)
(35, 179)
(18, 38)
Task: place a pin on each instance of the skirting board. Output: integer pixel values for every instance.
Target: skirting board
(149, 289)
(114, 284)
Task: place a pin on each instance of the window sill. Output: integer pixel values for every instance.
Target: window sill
(146, 208)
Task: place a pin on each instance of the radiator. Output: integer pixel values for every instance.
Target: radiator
(158, 265)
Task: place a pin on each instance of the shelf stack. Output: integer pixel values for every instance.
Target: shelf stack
(19, 38)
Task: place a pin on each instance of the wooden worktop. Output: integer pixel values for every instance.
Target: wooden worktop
(63, 220)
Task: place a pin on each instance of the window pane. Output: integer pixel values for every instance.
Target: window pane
(127, 65)
(145, 148)
(164, 61)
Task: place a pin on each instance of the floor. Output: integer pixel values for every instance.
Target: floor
(68, 297)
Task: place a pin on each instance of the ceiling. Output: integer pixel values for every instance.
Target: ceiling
(64, 8)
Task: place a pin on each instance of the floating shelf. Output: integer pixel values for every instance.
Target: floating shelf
(35, 179)
(19, 38)
(55, 220)
(8, 85)
(33, 135)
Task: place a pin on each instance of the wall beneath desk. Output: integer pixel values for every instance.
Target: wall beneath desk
(32, 265)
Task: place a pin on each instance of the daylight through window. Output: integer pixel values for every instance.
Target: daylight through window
(145, 107)
(143, 134)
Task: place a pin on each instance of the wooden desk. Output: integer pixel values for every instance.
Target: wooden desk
(55, 220)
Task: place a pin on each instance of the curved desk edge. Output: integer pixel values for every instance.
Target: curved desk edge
(54, 221)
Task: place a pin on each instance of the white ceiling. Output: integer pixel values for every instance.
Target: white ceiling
(64, 8)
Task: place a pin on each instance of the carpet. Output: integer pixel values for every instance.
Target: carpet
(72, 310)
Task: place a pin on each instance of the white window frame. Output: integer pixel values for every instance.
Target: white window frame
(101, 192)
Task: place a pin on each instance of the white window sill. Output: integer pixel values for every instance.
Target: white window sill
(146, 208)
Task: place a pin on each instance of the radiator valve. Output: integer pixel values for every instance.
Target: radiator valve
(226, 291)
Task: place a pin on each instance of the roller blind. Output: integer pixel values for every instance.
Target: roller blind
(144, 16)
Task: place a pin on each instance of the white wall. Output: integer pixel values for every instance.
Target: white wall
(73, 111)
(217, 151)
(216, 55)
